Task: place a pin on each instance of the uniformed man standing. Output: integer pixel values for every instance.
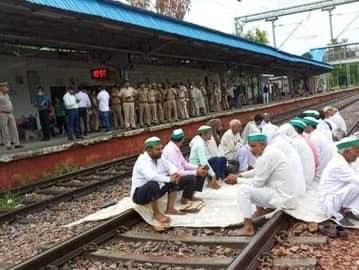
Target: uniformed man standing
(217, 97)
(144, 116)
(163, 90)
(159, 102)
(172, 104)
(205, 97)
(8, 126)
(117, 108)
(152, 104)
(182, 102)
(127, 94)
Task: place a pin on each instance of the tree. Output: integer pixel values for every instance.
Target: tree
(173, 8)
(260, 36)
(307, 55)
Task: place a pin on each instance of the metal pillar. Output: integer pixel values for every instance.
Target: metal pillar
(272, 20)
(330, 9)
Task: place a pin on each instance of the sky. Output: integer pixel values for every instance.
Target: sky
(294, 34)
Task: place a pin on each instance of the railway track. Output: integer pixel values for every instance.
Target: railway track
(241, 253)
(43, 194)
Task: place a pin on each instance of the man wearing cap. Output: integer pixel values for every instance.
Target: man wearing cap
(339, 184)
(334, 115)
(201, 156)
(299, 126)
(322, 126)
(269, 185)
(192, 176)
(325, 149)
(153, 177)
(303, 150)
(144, 113)
(8, 126)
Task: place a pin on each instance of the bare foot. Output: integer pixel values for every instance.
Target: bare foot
(174, 212)
(213, 184)
(195, 199)
(262, 212)
(242, 232)
(161, 218)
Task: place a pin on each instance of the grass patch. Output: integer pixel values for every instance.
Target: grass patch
(10, 201)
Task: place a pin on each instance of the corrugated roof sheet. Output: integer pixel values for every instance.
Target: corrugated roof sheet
(129, 15)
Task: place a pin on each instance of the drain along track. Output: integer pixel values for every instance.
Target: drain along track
(73, 185)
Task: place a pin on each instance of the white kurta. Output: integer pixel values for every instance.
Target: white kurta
(250, 128)
(325, 130)
(146, 169)
(325, 150)
(339, 121)
(339, 187)
(304, 151)
(269, 129)
(271, 183)
(229, 144)
(281, 143)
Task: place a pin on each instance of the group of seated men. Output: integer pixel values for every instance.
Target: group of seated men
(273, 165)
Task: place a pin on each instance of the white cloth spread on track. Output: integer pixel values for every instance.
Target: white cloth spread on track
(220, 210)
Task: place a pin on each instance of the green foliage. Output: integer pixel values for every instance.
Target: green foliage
(259, 36)
(307, 55)
(10, 201)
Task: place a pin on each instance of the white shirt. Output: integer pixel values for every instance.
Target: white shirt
(70, 101)
(324, 147)
(84, 100)
(281, 142)
(103, 98)
(146, 169)
(325, 130)
(339, 121)
(337, 174)
(250, 128)
(269, 129)
(272, 170)
(229, 144)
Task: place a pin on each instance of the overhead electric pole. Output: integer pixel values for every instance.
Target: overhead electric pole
(273, 15)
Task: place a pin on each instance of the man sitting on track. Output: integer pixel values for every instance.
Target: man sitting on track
(201, 156)
(153, 177)
(186, 170)
(339, 183)
(269, 185)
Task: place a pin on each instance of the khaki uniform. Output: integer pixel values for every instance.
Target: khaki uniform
(217, 98)
(8, 126)
(152, 105)
(164, 92)
(205, 98)
(172, 104)
(117, 109)
(128, 102)
(182, 102)
(144, 115)
(225, 103)
(159, 102)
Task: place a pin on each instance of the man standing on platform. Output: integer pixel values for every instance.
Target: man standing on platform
(84, 104)
(117, 108)
(127, 94)
(172, 104)
(8, 126)
(42, 103)
(144, 114)
(103, 98)
(73, 122)
(152, 104)
(186, 170)
(339, 184)
(217, 97)
(268, 186)
(182, 101)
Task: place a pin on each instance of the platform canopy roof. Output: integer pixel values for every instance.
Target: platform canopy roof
(113, 26)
